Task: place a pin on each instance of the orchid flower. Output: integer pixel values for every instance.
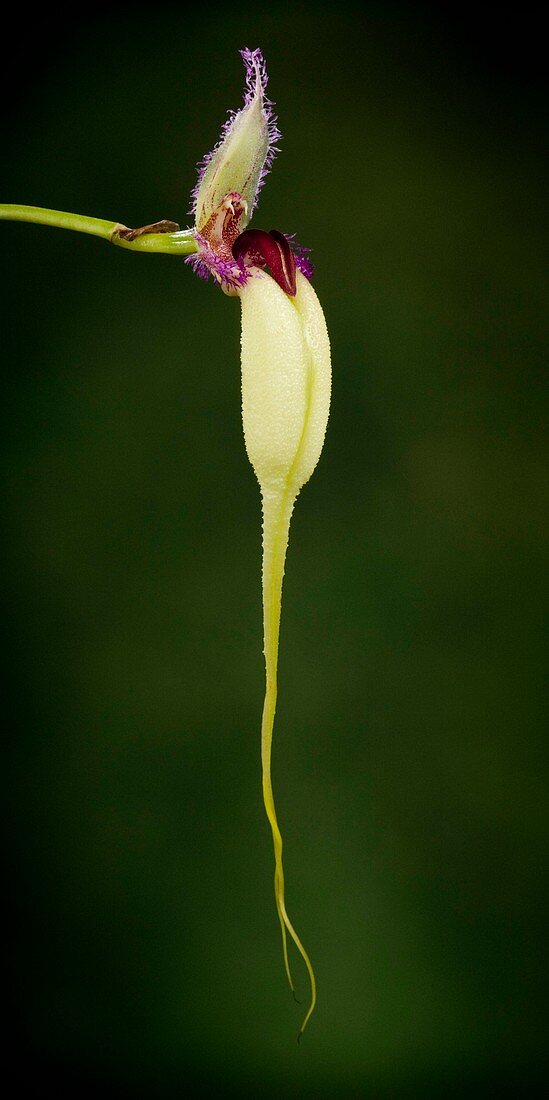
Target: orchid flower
(286, 373)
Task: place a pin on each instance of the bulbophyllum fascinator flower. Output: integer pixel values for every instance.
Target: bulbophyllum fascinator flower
(286, 373)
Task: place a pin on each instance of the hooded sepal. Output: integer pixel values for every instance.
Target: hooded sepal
(244, 152)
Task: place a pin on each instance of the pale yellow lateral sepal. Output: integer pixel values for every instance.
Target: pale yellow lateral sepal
(286, 381)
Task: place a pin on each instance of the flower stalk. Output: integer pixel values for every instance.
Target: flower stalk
(161, 236)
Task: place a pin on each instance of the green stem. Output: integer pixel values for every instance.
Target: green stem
(181, 243)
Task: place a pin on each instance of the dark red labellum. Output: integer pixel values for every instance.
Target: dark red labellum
(261, 249)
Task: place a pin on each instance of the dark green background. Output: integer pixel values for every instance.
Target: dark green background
(409, 750)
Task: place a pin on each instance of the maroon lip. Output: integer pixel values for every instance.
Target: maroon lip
(262, 249)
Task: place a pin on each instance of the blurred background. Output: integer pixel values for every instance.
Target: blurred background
(408, 757)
